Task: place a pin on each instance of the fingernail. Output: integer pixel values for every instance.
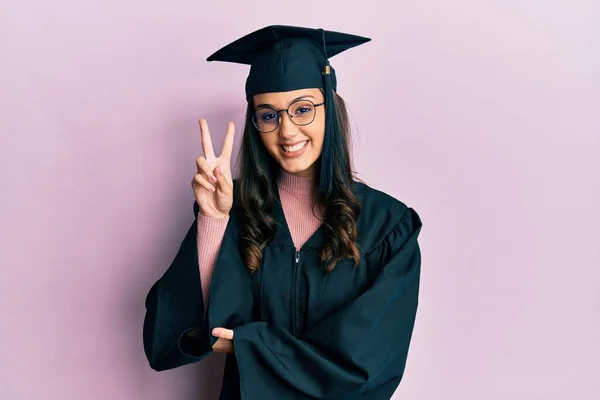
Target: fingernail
(213, 178)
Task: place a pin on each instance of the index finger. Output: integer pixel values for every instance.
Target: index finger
(223, 333)
(206, 140)
(228, 142)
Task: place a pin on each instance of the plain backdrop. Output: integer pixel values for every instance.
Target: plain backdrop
(482, 115)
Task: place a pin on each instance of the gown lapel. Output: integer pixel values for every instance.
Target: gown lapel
(283, 236)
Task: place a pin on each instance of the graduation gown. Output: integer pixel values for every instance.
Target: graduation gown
(299, 332)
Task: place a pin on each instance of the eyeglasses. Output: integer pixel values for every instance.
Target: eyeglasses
(301, 112)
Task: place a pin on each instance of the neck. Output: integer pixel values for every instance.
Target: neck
(297, 185)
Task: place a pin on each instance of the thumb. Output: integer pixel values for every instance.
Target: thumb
(222, 183)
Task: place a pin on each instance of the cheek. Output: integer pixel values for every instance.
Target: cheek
(269, 141)
(317, 135)
(318, 141)
(319, 130)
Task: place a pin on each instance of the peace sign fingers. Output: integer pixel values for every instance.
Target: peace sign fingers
(213, 183)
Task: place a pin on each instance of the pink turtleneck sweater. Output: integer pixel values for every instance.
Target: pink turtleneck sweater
(296, 195)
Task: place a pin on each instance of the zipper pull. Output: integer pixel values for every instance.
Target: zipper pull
(297, 257)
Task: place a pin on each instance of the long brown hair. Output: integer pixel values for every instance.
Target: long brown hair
(257, 182)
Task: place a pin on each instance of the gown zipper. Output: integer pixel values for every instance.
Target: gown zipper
(295, 292)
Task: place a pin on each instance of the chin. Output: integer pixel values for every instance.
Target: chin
(297, 167)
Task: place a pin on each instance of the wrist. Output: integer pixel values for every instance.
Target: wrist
(213, 215)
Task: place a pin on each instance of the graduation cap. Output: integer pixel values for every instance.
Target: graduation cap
(284, 58)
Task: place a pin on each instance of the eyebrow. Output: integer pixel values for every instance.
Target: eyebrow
(265, 105)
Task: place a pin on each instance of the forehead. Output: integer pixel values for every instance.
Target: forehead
(282, 99)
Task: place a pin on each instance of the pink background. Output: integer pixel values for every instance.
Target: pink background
(482, 115)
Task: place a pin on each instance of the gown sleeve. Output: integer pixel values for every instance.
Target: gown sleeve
(359, 349)
(175, 330)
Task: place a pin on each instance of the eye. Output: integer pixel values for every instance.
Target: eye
(303, 110)
(268, 116)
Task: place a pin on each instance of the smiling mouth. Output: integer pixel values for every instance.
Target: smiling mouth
(294, 148)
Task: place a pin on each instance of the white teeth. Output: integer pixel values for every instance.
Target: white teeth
(291, 149)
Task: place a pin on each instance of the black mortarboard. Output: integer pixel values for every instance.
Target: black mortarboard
(284, 58)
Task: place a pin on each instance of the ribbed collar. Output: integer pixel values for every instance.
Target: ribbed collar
(297, 185)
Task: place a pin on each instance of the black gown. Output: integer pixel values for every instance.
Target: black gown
(299, 333)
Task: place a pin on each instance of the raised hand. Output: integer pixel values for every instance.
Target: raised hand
(213, 184)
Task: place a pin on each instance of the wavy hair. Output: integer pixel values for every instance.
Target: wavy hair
(257, 181)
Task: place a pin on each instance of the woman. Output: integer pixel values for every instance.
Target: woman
(305, 277)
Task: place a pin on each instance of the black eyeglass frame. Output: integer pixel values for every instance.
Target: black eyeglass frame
(287, 111)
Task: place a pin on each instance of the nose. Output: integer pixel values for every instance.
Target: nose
(287, 128)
